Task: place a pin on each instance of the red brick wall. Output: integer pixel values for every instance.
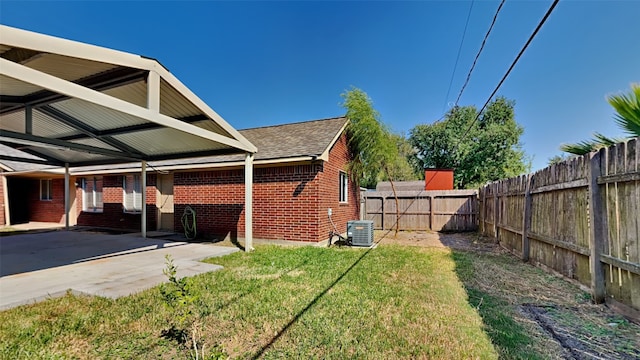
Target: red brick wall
(46, 210)
(216, 196)
(290, 202)
(330, 192)
(284, 202)
(2, 222)
(113, 215)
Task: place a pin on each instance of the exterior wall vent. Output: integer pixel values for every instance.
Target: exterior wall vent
(360, 232)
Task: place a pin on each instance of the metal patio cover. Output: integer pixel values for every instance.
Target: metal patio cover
(78, 104)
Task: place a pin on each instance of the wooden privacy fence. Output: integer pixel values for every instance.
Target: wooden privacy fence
(580, 218)
(438, 210)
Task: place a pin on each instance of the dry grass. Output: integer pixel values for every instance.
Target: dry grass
(556, 318)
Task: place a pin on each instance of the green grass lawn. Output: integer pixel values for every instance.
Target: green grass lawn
(276, 302)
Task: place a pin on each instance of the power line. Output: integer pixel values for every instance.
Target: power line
(513, 64)
(484, 41)
(455, 66)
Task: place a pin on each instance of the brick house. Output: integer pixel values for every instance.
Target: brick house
(299, 174)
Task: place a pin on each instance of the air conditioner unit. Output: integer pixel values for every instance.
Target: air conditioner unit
(360, 232)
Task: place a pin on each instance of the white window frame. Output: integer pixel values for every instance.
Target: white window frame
(93, 201)
(344, 187)
(48, 194)
(132, 196)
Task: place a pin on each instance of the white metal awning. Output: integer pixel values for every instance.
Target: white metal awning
(75, 103)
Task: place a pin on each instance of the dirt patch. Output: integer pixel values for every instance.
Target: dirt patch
(458, 241)
(557, 315)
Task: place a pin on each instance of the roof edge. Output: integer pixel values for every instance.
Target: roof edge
(294, 123)
(325, 154)
(26, 39)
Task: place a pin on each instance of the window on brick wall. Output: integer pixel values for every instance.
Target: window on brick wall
(132, 189)
(46, 189)
(92, 194)
(344, 186)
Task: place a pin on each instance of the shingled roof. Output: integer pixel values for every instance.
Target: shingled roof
(310, 138)
(280, 143)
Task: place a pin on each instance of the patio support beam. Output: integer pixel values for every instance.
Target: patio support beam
(143, 191)
(30, 161)
(5, 193)
(39, 141)
(66, 196)
(100, 82)
(132, 128)
(248, 202)
(87, 130)
(153, 91)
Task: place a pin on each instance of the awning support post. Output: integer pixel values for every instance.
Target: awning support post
(66, 196)
(248, 202)
(143, 194)
(5, 194)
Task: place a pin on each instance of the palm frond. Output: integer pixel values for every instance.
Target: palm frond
(628, 110)
(627, 107)
(602, 141)
(581, 148)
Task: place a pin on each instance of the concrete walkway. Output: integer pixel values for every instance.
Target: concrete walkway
(38, 266)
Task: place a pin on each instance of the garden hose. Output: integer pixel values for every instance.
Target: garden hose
(189, 223)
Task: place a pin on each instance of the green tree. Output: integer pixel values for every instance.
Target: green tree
(490, 150)
(628, 118)
(400, 169)
(377, 153)
(374, 149)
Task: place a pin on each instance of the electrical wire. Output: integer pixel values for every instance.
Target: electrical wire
(484, 41)
(455, 66)
(513, 64)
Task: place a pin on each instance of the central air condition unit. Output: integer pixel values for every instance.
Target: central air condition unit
(360, 232)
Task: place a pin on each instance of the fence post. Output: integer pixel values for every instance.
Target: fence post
(596, 213)
(526, 220)
(482, 211)
(383, 197)
(431, 211)
(496, 214)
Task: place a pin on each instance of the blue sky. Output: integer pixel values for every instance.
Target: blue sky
(265, 63)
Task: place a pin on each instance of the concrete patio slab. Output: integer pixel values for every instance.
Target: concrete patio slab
(37, 266)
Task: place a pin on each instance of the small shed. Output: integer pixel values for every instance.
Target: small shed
(438, 179)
